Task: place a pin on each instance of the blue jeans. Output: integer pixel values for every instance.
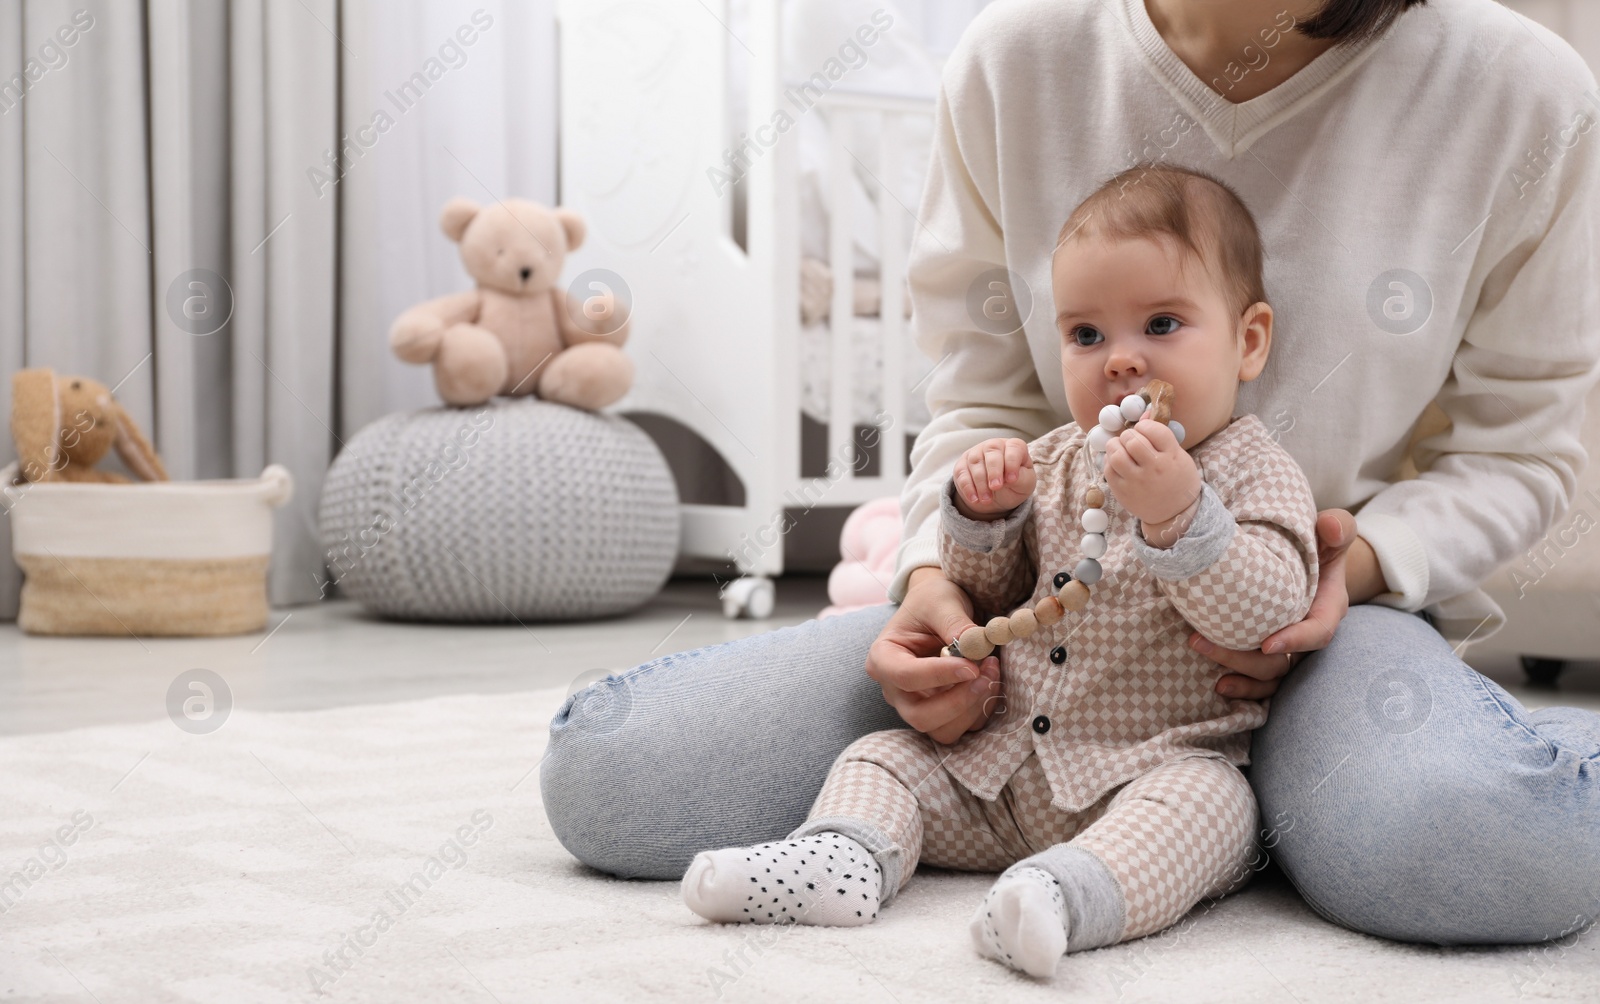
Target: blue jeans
(1403, 793)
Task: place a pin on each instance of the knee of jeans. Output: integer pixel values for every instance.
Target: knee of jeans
(578, 776)
(600, 709)
(1422, 856)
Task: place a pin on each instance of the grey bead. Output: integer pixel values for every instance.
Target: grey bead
(1087, 572)
(1177, 430)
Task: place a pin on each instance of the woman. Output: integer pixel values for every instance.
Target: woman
(1428, 220)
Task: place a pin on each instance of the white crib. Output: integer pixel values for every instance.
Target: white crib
(716, 333)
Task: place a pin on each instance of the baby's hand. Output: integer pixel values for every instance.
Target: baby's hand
(994, 478)
(1150, 475)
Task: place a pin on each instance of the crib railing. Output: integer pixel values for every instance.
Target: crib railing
(888, 115)
(717, 333)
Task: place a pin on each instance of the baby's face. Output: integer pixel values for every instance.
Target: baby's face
(1127, 314)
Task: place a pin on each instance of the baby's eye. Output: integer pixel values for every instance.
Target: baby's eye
(1165, 324)
(1083, 334)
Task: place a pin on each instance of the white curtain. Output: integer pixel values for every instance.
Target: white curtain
(176, 135)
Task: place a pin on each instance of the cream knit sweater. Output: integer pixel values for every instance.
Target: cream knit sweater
(1430, 206)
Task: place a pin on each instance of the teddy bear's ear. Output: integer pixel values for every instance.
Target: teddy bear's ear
(458, 212)
(574, 227)
(136, 452)
(36, 423)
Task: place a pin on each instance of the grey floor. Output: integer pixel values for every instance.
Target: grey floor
(333, 654)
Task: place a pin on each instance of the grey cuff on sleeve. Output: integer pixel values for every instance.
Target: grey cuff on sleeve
(979, 535)
(1208, 535)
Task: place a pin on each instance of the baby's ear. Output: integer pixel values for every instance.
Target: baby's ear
(36, 423)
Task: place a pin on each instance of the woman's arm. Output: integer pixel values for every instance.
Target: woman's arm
(1492, 482)
(983, 384)
(1363, 577)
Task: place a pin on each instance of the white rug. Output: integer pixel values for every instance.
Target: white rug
(232, 866)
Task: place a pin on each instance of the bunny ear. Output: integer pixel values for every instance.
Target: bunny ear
(36, 423)
(135, 450)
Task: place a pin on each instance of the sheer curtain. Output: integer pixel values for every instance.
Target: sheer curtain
(299, 151)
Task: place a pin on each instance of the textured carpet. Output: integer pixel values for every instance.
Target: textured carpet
(236, 866)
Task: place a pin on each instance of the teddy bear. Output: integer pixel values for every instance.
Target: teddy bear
(518, 333)
(63, 426)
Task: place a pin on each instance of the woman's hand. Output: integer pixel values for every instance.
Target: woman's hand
(1256, 672)
(943, 696)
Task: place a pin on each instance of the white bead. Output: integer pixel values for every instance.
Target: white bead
(1098, 438)
(1132, 407)
(1111, 418)
(1093, 545)
(1095, 521)
(1177, 430)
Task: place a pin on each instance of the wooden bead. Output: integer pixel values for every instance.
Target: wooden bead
(1074, 595)
(1048, 610)
(1159, 393)
(975, 644)
(998, 630)
(1023, 622)
(1094, 498)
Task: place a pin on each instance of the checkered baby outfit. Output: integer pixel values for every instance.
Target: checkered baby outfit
(1108, 733)
(1121, 687)
(1180, 832)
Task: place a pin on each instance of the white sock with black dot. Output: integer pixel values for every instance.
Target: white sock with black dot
(826, 879)
(1023, 922)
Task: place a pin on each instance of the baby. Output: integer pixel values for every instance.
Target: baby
(1105, 784)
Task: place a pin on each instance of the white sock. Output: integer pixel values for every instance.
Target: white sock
(827, 879)
(1023, 922)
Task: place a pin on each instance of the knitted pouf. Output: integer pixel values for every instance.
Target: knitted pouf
(515, 510)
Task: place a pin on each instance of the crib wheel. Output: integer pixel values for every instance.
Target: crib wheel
(751, 596)
(1542, 672)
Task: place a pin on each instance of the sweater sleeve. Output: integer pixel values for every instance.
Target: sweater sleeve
(988, 559)
(982, 385)
(1506, 468)
(1244, 569)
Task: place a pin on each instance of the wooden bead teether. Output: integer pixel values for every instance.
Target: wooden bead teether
(975, 642)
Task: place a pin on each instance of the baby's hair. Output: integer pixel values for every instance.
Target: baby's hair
(1201, 212)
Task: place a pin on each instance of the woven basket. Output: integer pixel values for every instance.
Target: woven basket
(171, 558)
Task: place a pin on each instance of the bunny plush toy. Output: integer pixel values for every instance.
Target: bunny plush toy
(64, 425)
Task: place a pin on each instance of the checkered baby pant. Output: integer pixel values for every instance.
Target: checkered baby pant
(1180, 833)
